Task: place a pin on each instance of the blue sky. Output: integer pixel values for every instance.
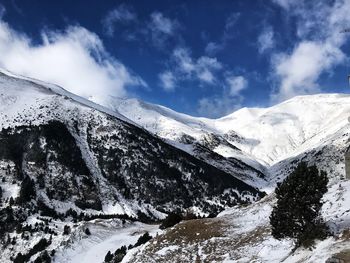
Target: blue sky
(205, 58)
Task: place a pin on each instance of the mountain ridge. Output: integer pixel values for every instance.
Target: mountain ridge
(295, 128)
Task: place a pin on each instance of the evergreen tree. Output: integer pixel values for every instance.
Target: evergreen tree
(143, 239)
(119, 254)
(297, 212)
(171, 220)
(87, 231)
(11, 201)
(27, 190)
(108, 257)
(66, 230)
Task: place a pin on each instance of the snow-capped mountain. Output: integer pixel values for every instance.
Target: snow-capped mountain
(197, 136)
(288, 128)
(65, 161)
(258, 137)
(111, 146)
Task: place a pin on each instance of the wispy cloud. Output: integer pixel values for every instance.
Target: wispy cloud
(75, 59)
(162, 24)
(157, 30)
(286, 4)
(236, 84)
(215, 46)
(167, 81)
(231, 22)
(318, 50)
(2, 11)
(229, 100)
(266, 40)
(208, 71)
(122, 14)
(161, 29)
(202, 69)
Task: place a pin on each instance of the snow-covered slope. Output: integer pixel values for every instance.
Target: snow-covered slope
(65, 161)
(288, 128)
(259, 137)
(100, 133)
(197, 136)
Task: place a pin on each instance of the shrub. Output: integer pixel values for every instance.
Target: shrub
(191, 216)
(171, 220)
(143, 239)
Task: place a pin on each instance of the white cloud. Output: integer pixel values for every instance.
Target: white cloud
(266, 40)
(218, 106)
(161, 28)
(300, 70)
(162, 24)
(228, 101)
(167, 80)
(319, 49)
(74, 59)
(206, 76)
(236, 84)
(206, 68)
(286, 4)
(202, 69)
(209, 71)
(183, 60)
(183, 67)
(121, 14)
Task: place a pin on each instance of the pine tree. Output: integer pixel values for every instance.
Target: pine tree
(297, 212)
(108, 257)
(66, 230)
(87, 231)
(27, 190)
(171, 220)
